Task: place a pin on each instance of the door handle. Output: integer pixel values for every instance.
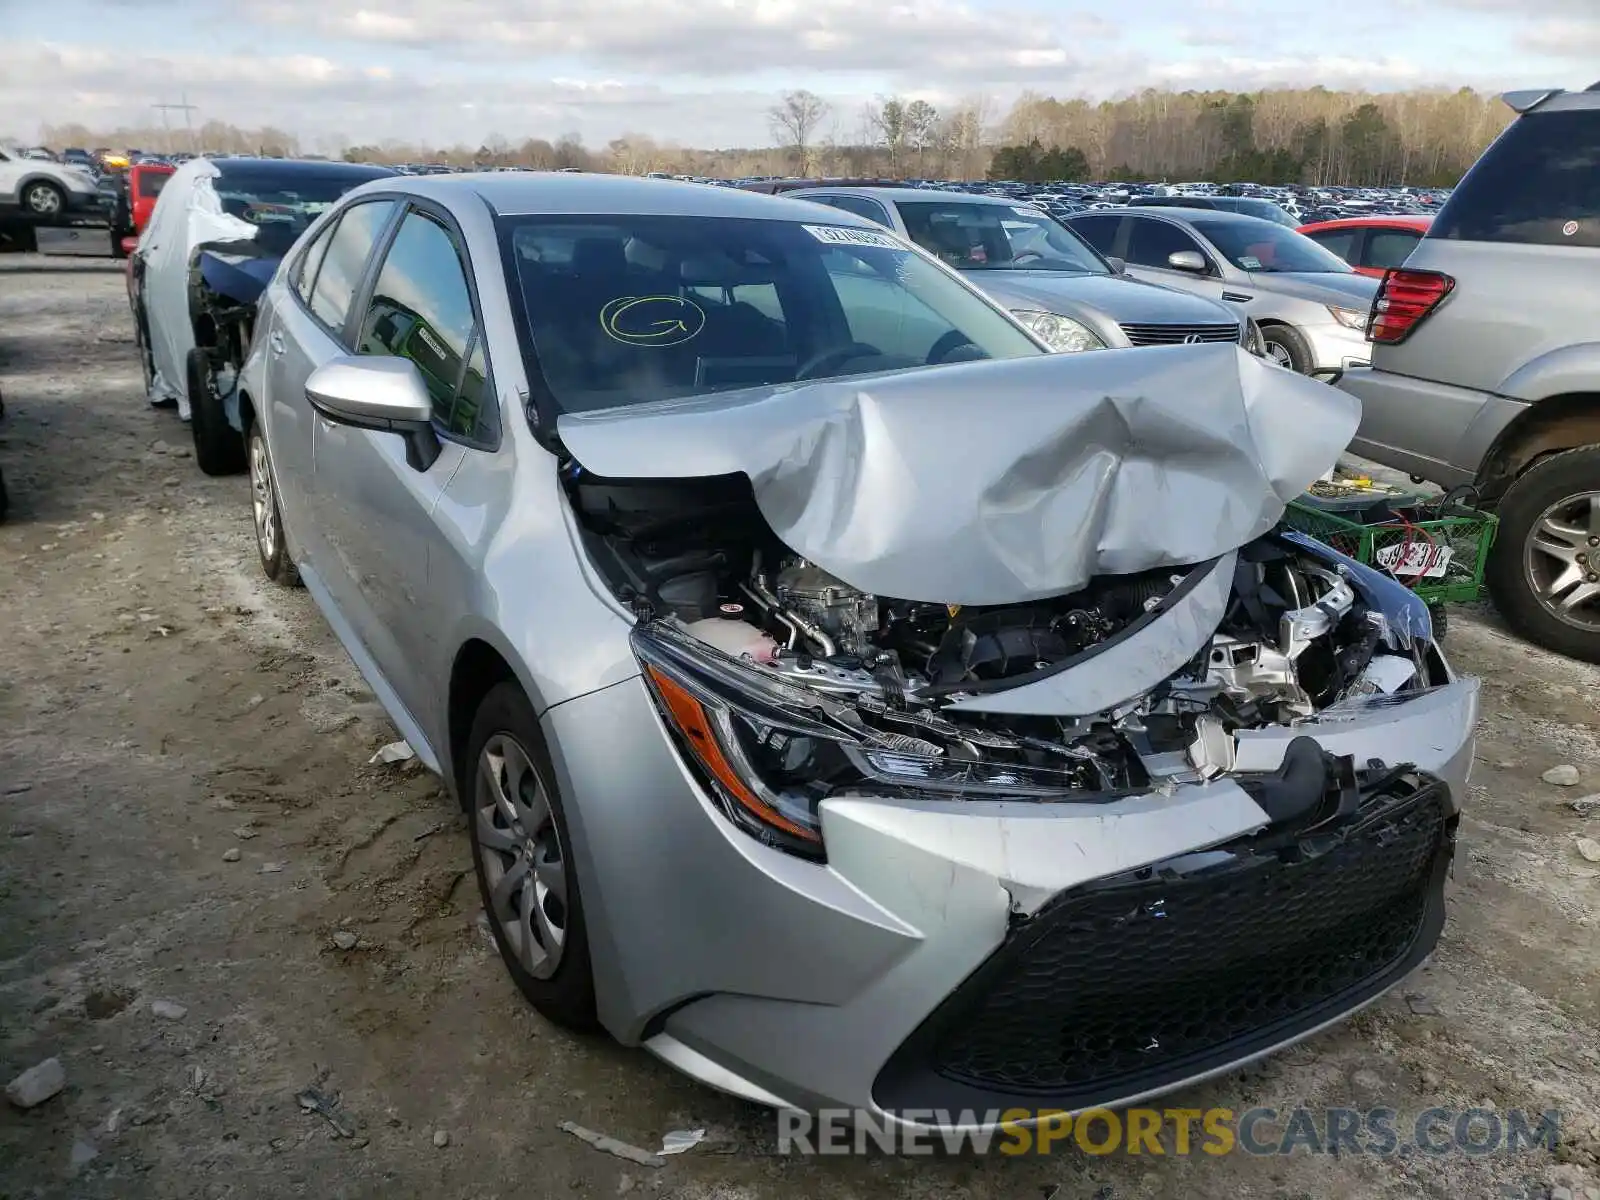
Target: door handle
(275, 342)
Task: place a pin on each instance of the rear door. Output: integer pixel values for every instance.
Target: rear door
(379, 509)
(310, 327)
(10, 173)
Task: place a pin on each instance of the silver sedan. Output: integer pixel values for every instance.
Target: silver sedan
(853, 703)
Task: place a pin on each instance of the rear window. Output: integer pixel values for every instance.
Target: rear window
(151, 182)
(1538, 184)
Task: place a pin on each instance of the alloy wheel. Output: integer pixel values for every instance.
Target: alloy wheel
(44, 200)
(524, 862)
(1561, 558)
(263, 501)
(1279, 354)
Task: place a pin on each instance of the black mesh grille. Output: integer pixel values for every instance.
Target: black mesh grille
(1152, 977)
(1172, 335)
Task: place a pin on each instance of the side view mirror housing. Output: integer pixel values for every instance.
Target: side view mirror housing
(1187, 260)
(382, 394)
(1118, 266)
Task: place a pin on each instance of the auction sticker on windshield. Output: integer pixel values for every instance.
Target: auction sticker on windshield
(839, 235)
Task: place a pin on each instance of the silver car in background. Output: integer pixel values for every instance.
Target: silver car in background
(853, 703)
(1312, 307)
(1048, 277)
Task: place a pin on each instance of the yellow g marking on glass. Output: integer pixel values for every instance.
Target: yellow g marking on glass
(652, 320)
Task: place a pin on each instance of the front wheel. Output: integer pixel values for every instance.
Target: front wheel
(521, 848)
(271, 541)
(1544, 569)
(1287, 347)
(218, 446)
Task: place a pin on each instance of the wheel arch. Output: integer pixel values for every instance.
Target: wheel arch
(1562, 422)
(478, 668)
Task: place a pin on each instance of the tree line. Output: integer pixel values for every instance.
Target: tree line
(1311, 135)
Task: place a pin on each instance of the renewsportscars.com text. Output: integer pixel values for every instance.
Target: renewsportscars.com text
(1376, 1132)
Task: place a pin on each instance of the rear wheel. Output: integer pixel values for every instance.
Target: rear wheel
(218, 446)
(1544, 570)
(521, 847)
(272, 543)
(1287, 347)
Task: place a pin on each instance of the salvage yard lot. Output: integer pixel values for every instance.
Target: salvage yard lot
(162, 706)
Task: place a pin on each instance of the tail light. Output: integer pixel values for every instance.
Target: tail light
(1404, 300)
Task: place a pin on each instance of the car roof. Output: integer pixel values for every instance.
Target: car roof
(916, 195)
(1191, 216)
(298, 168)
(557, 193)
(1392, 221)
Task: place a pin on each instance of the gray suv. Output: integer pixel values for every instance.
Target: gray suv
(1486, 362)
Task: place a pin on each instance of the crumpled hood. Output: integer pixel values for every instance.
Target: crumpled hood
(1000, 482)
(1320, 287)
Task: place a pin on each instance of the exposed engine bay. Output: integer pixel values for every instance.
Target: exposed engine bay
(694, 559)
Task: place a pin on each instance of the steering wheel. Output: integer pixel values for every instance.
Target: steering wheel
(1027, 256)
(949, 342)
(831, 360)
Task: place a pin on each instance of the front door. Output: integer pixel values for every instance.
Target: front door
(378, 509)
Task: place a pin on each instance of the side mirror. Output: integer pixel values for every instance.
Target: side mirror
(383, 394)
(1188, 260)
(1119, 266)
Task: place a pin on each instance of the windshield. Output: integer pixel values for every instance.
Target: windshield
(1255, 245)
(997, 237)
(624, 310)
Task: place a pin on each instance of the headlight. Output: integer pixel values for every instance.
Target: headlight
(769, 753)
(1350, 318)
(1061, 334)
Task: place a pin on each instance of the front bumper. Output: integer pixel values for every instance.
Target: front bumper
(1335, 347)
(849, 984)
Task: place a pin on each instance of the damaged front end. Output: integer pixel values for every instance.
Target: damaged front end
(785, 686)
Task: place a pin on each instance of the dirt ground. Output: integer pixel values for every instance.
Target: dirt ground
(162, 707)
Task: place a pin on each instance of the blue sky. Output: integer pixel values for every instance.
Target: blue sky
(702, 72)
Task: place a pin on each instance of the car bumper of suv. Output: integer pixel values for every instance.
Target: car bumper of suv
(1336, 348)
(994, 955)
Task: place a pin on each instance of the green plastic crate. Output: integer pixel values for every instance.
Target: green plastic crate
(1410, 553)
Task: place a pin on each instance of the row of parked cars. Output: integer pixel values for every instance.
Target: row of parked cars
(765, 541)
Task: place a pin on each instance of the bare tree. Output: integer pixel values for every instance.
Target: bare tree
(794, 121)
(889, 123)
(922, 121)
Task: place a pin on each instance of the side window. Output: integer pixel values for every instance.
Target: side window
(1151, 242)
(863, 207)
(1099, 232)
(1337, 241)
(345, 259)
(1539, 184)
(305, 270)
(422, 310)
(1389, 247)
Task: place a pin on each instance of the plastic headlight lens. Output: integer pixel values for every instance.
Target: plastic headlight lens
(1061, 334)
(1350, 318)
(768, 753)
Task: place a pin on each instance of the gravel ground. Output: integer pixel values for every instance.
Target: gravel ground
(189, 817)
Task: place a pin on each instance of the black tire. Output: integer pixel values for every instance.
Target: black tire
(141, 340)
(218, 446)
(1292, 343)
(567, 996)
(272, 544)
(43, 192)
(5, 500)
(1439, 615)
(1533, 493)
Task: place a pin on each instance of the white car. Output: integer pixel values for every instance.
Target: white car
(45, 189)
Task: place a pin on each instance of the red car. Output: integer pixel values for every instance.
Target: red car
(1370, 244)
(136, 200)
